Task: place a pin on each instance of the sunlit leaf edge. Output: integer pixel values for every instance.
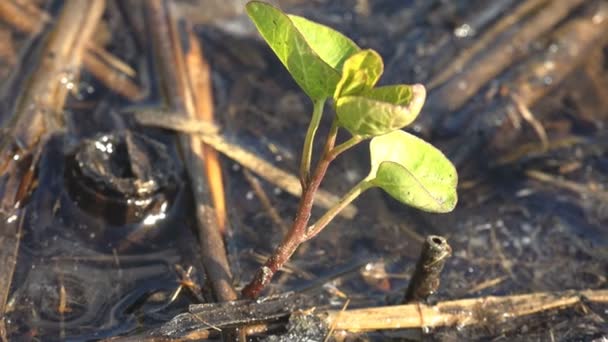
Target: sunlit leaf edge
(385, 153)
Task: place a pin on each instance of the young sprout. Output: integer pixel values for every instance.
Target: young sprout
(328, 65)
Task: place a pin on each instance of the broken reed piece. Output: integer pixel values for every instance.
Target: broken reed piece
(17, 16)
(457, 64)
(108, 69)
(171, 44)
(200, 320)
(199, 75)
(459, 313)
(488, 63)
(170, 55)
(490, 129)
(203, 320)
(425, 280)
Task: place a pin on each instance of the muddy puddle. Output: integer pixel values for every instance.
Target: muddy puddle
(107, 233)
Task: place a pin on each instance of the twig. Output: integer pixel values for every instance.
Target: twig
(111, 60)
(249, 160)
(505, 263)
(187, 282)
(534, 149)
(176, 64)
(425, 281)
(112, 78)
(194, 325)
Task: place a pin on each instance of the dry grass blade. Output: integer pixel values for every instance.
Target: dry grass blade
(199, 75)
(460, 313)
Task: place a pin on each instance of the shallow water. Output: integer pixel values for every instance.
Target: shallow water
(86, 272)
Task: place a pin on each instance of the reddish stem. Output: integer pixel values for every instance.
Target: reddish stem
(297, 233)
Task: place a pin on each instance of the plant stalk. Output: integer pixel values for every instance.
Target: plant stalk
(309, 141)
(354, 140)
(297, 233)
(322, 222)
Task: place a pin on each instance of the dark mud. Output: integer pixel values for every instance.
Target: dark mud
(84, 276)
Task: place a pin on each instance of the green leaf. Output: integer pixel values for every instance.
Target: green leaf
(330, 45)
(311, 52)
(413, 172)
(380, 110)
(360, 73)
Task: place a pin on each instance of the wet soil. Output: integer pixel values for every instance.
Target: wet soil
(86, 274)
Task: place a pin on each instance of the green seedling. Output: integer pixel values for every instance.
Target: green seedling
(329, 66)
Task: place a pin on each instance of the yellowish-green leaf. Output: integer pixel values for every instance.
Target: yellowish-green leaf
(311, 52)
(330, 45)
(413, 172)
(380, 110)
(360, 73)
